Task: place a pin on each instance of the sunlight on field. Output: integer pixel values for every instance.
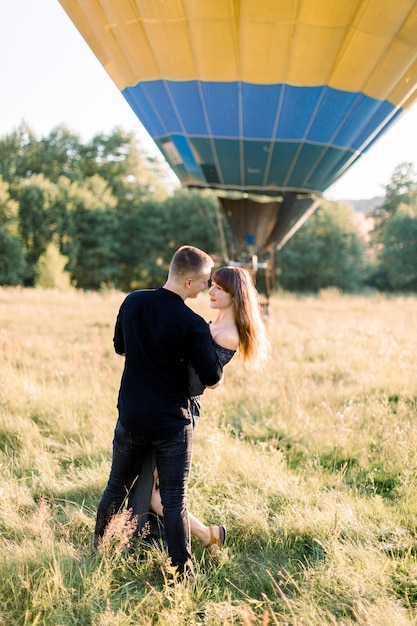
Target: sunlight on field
(311, 464)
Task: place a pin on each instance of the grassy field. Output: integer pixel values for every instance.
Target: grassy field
(311, 464)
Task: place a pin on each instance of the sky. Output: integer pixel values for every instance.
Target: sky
(49, 76)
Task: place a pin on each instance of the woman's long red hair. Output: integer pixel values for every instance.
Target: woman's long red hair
(253, 343)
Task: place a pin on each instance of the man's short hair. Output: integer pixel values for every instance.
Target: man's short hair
(190, 261)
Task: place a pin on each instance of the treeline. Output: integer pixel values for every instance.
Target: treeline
(94, 214)
(97, 214)
(341, 248)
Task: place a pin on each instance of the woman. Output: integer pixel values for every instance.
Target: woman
(238, 327)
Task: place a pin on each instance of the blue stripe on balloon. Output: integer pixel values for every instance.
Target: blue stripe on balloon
(256, 99)
(221, 102)
(258, 137)
(233, 110)
(187, 98)
(314, 168)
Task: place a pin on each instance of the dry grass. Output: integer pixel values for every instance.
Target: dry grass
(311, 464)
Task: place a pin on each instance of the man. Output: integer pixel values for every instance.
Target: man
(159, 335)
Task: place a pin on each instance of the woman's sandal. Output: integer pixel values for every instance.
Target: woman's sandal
(216, 543)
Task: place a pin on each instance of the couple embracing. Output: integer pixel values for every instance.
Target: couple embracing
(171, 355)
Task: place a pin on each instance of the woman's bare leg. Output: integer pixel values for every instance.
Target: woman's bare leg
(197, 528)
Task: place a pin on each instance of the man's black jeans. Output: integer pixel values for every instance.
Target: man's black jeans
(173, 462)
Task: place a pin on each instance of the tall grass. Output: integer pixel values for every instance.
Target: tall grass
(311, 464)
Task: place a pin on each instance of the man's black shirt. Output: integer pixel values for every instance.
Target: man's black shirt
(159, 335)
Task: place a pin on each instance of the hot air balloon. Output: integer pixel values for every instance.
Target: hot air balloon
(268, 103)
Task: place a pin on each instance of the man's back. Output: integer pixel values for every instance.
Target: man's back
(159, 335)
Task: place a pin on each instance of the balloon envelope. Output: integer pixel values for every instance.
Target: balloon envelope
(275, 97)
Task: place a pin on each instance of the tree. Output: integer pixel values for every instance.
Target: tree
(191, 215)
(93, 242)
(51, 272)
(142, 262)
(119, 159)
(58, 154)
(95, 265)
(401, 189)
(8, 209)
(326, 252)
(35, 220)
(398, 253)
(12, 259)
(92, 193)
(391, 241)
(149, 235)
(14, 150)
(12, 256)
(102, 203)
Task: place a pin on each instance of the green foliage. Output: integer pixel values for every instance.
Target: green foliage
(12, 255)
(51, 272)
(12, 259)
(150, 235)
(401, 189)
(326, 252)
(56, 155)
(398, 255)
(117, 158)
(95, 265)
(143, 257)
(35, 219)
(394, 236)
(191, 216)
(15, 154)
(8, 209)
(58, 183)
